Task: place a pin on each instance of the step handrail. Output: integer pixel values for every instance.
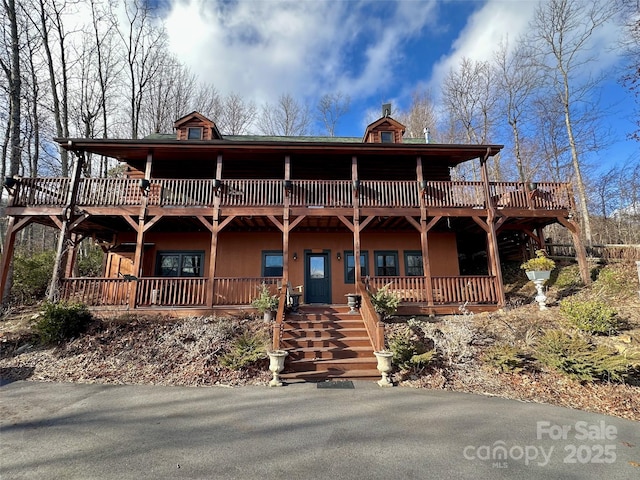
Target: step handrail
(375, 328)
(278, 325)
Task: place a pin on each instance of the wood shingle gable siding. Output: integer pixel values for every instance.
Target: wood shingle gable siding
(373, 133)
(195, 120)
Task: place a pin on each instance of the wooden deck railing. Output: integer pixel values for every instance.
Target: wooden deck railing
(278, 325)
(108, 192)
(96, 292)
(321, 193)
(389, 193)
(168, 291)
(477, 289)
(241, 290)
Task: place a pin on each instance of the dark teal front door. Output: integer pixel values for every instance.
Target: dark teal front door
(317, 284)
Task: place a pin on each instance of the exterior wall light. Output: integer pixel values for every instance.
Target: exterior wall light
(423, 184)
(295, 256)
(217, 184)
(339, 256)
(288, 185)
(356, 185)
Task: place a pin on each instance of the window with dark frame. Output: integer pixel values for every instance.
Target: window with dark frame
(194, 133)
(386, 263)
(386, 137)
(350, 265)
(413, 263)
(272, 263)
(179, 263)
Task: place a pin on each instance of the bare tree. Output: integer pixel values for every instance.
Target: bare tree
(332, 107)
(145, 49)
(286, 117)
(470, 98)
(517, 78)
(420, 115)
(52, 29)
(561, 31)
(237, 115)
(630, 44)
(12, 71)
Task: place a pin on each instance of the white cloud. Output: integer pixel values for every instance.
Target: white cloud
(485, 29)
(261, 49)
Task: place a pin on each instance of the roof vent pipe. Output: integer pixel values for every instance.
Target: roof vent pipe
(426, 135)
(386, 109)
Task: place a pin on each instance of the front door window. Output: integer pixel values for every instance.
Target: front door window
(317, 278)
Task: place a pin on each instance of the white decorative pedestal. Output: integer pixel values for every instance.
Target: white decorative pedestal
(384, 367)
(539, 277)
(276, 365)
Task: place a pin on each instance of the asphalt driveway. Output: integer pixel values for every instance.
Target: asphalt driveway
(71, 431)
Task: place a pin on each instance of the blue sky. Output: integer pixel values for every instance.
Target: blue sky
(375, 51)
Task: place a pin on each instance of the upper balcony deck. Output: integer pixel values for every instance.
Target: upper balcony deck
(251, 193)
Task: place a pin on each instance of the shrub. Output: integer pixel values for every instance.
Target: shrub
(568, 277)
(62, 321)
(592, 316)
(31, 275)
(505, 358)
(579, 359)
(617, 280)
(265, 302)
(409, 350)
(385, 301)
(539, 262)
(246, 349)
(452, 338)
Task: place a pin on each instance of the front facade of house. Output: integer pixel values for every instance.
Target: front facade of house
(200, 220)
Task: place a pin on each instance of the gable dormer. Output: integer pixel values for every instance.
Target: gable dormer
(385, 129)
(195, 126)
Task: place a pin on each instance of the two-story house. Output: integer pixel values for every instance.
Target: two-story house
(200, 220)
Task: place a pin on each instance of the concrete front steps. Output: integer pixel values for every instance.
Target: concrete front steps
(326, 342)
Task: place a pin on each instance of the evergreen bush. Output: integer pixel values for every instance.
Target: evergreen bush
(62, 321)
(579, 359)
(591, 316)
(246, 349)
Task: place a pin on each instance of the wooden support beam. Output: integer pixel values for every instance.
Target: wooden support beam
(366, 222)
(140, 229)
(78, 221)
(432, 223)
(482, 224)
(276, 222)
(56, 220)
(207, 224)
(413, 222)
(226, 222)
(13, 227)
(213, 255)
(61, 250)
(296, 222)
(152, 222)
(346, 221)
(130, 221)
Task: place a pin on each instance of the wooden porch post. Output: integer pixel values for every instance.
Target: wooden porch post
(492, 240)
(7, 255)
(424, 237)
(137, 259)
(357, 270)
(67, 217)
(285, 224)
(213, 250)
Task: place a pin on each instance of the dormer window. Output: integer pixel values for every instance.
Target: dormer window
(194, 133)
(386, 137)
